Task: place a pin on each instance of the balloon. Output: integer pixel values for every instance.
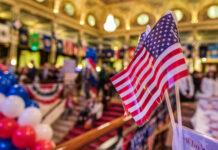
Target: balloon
(1, 115)
(31, 103)
(18, 91)
(1, 72)
(24, 137)
(6, 144)
(7, 127)
(11, 77)
(12, 107)
(4, 82)
(42, 145)
(2, 99)
(31, 116)
(44, 131)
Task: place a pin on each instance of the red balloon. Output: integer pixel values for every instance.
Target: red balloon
(1, 115)
(24, 137)
(42, 145)
(7, 127)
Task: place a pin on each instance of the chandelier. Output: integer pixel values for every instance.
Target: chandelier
(110, 25)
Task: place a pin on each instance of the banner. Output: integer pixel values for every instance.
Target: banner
(47, 42)
(203, 51)
(59, 46)
(69, 65)
(23, 37)
(213, 50)
(108, 53)
(205, 119)
(34, 41)
(68, 47)
(4, 33)
(45, 93)
(193, 140)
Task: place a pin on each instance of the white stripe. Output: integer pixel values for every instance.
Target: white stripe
(154, 84)
(127, 73)
(162, 56)
(136, 71)
(157, 93)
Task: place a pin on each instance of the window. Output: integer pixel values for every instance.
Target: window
(142, 19)
(179, 14)
(117, 22)
(212, 12)
(40, 1)
(91, 20)
(69, 9)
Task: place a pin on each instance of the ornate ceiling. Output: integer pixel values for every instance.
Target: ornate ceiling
(126, 11)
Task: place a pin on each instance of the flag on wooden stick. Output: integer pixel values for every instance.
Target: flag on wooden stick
(157, 65)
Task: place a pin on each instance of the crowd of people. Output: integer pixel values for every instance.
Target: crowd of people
(190, 86)
(193, 85)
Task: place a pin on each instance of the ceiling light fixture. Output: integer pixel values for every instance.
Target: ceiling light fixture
(110, 25)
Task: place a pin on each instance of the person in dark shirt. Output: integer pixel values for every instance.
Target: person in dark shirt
(32, 71)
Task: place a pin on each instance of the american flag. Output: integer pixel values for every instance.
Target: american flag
(157, 65)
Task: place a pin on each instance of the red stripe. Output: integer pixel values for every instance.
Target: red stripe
(133, 69)
(163, 74)
(125, 71)
(118, 75)
(173, 53)
(137, 64)
(141, 69)
(91, 62)
(156, 102)
(121, 82)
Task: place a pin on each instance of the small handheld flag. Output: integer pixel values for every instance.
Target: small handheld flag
(157, 65)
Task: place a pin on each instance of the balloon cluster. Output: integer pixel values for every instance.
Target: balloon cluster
(20, 118)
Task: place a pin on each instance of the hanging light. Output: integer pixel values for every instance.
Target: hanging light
(110, 25)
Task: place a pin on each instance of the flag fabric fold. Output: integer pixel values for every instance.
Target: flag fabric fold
(155, 67)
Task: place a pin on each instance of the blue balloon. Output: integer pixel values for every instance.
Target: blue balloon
(18, 91)
(5, 85)
(1, 72)
(11, 77)
(6, 144)
(31, 103)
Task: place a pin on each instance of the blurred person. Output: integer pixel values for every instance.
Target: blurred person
(95, 113)
(79, 83)
(186, 88)
(107, 94)
(32, 70)
(52, 73)
(70, 102)
(86, 78)
(197, 78)
(208, 86)
(102, 76)
(45, 71)
(23, 75)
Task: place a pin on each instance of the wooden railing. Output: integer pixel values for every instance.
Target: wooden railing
(90, 136)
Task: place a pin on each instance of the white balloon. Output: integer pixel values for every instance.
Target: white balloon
(30, 116)
(2, 99)
(44, 131)
(13, 106)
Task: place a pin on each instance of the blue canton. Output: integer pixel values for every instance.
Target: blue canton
(163, 35)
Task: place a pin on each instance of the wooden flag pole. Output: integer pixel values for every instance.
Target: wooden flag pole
(178, 104)
(169, 108)
(179, 114)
